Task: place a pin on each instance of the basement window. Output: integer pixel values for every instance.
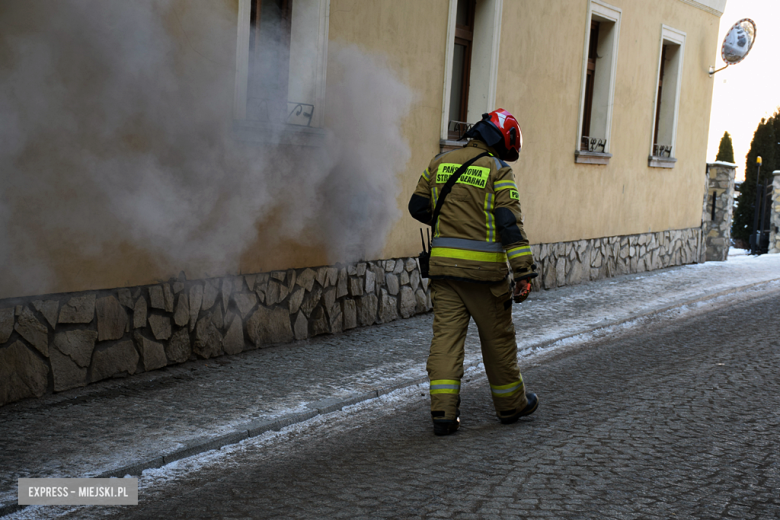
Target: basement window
(281, 58)
(471, 67)
(667, 99)
(598, 84)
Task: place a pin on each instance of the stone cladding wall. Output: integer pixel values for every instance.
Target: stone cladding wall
(717, 231)
(58, 342)
(63, 341)
(569, 263)
(774, 224)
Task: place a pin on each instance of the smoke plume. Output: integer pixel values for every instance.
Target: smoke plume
(115, 157)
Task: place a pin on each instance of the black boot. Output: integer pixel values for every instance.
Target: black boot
(511, 416)
(443, 426)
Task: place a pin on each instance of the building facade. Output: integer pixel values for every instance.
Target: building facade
(211, 177)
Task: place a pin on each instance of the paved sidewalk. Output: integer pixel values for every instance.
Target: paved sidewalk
(125, 426)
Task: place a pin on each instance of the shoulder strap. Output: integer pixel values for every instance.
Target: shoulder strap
(447, 188)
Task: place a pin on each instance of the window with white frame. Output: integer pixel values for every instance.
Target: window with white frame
(471, 68)
(667, 99)
(598, 83)
(281, 58)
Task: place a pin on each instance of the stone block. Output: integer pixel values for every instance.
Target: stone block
(111, 318)
(392, 284)
(22, 374)
(77, 345)
(161, 326)
(182, 315)
(322, 276)
(318, 322)
(210, 293)
(118, 359)
(273, 293)
(341, 285)
(152, 353)
(196, 301)
(560, 272)
(178, 349)
(6, 324)
(329, 298)
(422, 301)
(404, 278)
(245, 302)
(577, 273)
(388, 307)
(389, 266)
(79, 309)
(352, 270)
(268, 326)
(335, 318)
(407, 303)
(410, 264)
(306, 279)
(549, 274)
(414, 280)
(425, 282)
(48, 309)
(66, 373)
(208, 341)
(296, 299)
(291, 279)
(125, 297)
(370, 281)
(227, 288)
(35, 332)
(234, 338)
(156, 297)
(278, 275)
(379, 276)
(349, 311)
(168, 297)
(301, 327)
(311, 300)
(249, 280)
(217, 317)
(332, 276)
(367, 309)
(140, 313)
(399, 267)
(355, 286)
(361, 269)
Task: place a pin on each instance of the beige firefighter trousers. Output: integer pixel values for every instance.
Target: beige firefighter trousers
(454, 302)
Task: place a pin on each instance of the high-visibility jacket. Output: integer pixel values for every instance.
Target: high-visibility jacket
(480, 225)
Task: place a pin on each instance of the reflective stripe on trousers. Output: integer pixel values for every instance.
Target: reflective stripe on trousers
(445, 386)
(507, 390)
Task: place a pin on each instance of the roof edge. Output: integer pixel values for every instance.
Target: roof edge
(714, 7)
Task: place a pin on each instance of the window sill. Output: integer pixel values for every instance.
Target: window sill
(447, 145)
(582, 157)
(278, 134)
(661, 162)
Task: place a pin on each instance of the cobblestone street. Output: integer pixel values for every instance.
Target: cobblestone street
(673, 419)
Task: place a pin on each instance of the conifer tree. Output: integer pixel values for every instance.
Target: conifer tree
(726, 149)
(764, 145)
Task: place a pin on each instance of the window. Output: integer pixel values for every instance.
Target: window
(281, 58)
(598, 84)
(461, 67)
(471, 67)
(667, 98)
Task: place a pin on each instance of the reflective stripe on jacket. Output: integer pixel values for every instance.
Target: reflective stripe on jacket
(480, 226)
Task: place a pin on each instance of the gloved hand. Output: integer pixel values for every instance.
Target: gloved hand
(521, 291)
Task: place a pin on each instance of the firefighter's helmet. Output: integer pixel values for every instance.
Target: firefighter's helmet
(499, 130)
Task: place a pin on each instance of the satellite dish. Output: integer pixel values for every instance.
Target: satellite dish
(737, 43)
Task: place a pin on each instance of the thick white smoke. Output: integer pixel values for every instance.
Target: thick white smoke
(110, 148)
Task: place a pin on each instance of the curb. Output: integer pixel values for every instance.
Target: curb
(329, 405)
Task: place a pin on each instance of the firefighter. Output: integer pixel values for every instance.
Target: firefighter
(479, 228)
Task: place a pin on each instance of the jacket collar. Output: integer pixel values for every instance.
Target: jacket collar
(482, 146)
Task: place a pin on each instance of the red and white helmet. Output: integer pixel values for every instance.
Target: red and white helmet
(510, 130)
(499, 129)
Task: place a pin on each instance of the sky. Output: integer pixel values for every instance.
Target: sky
(746, 92)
